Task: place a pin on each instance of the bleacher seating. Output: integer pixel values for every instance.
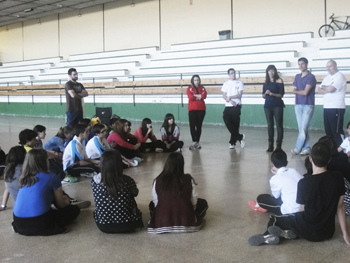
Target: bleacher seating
(210, 59)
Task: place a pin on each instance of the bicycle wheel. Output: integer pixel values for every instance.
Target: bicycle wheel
(326, 31)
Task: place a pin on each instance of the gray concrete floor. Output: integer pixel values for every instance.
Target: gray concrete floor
(227, 179)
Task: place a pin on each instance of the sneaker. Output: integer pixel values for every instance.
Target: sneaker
(158, 150)
(242, 141)
(295, 151)
(133, 163)
(198, 146)
(137, 159)
(80, 204)
(277, 231)
(178, 150)
(193, 146)
(254, 205)
(70, 179)
(232, 146)
(305, 152)
(258, 240)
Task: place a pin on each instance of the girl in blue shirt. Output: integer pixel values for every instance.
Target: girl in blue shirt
(32, 213)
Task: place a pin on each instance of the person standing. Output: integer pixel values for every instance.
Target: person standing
(305, 84)
(196, 110)
(232, 91)
(333, 87)
(273, 91)
(75, 91)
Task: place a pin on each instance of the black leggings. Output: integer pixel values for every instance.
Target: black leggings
(126, 227)
(196, 118)
(176, 145)
(77, 169)
(50, 223)
(270, 203)
(152, 145)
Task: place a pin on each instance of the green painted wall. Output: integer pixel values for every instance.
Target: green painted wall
(252, 115)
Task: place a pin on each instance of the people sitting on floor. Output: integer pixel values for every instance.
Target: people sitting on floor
(32, 213)
(114, 194)
(75, 160)
(283, 184)
(27, 138)
(122, 140)
(145, 133)
(321, 198)
(13, 170)
(170, 133)
(175, 207)
(345, 146)
(57, 143)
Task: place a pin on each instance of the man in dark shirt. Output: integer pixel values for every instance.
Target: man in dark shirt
(75, 91)
(321, 197)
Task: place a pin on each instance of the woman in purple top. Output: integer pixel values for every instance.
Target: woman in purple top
(273, 91)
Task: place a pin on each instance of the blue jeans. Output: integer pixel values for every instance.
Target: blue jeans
(304, 114)
(74, 117)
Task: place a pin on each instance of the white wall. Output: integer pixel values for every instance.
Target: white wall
(37, 44)
(201, 21)
(131, 27)
(159, 22)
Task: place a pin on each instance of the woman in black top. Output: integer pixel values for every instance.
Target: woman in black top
(273, 91)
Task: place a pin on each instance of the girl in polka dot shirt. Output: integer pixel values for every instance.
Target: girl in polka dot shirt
(114, 194)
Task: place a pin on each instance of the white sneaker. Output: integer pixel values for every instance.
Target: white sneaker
(305, 152)
(295, 151)
(193, 146)
(242, 141)
(198, 146)
(178, 150)
(133, 163)
(158, 150)
(232, 146)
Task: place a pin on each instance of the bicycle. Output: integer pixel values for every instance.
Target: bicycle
(328, 31)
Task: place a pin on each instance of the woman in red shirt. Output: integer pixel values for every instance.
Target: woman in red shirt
(196, 109)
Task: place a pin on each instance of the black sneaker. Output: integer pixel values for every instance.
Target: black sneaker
(277, 231)
(258, 240)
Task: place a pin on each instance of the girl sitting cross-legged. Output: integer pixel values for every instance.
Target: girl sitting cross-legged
(144, 133)
(32, 213)
(114, 194)
(175, 207)
(170, 134)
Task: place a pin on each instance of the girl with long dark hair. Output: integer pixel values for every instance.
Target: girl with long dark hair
(114, 194)
(273, 91)
(175, 206)
(121, 139)
(32, 213)
(13, 170)
(145, 133)
(170, 134)
(196, 94)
